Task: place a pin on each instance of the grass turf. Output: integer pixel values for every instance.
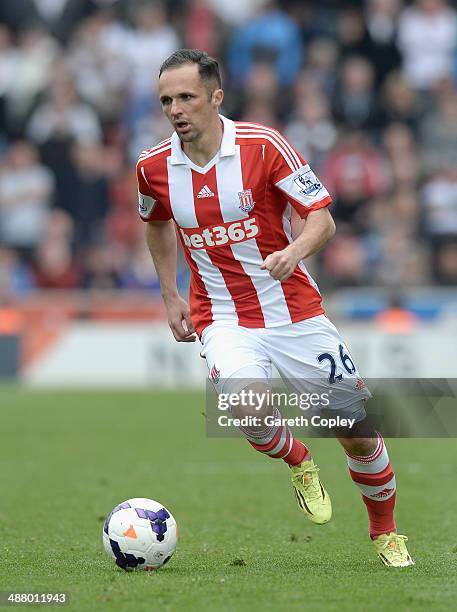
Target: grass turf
(66, 458)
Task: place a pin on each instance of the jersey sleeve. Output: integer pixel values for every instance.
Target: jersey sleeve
(292, 175)
(149, 207)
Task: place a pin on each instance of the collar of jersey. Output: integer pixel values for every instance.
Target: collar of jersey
(227, 147)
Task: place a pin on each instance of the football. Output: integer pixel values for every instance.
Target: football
(140, 533)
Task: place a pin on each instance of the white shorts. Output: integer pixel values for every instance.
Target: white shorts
(308, 355)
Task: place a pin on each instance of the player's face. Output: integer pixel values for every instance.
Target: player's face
(187, 102)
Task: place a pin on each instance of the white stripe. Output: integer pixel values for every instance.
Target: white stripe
(286, 158)
(269, 291)
(280, 445)
(183, 208)
(222, 305)
(287, 227)
(370, 491)
(156, 152)
(378, 465)
(291, 441)
(144, 176)
(280, 137)
(159, 145)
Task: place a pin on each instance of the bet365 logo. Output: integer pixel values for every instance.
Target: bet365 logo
(197, 238)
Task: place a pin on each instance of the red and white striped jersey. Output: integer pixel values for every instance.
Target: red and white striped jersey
(230, 215)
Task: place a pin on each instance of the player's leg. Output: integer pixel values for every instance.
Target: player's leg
(312, 354)
(267, 435)
(277, 441)
(236, 364)
(371, 470)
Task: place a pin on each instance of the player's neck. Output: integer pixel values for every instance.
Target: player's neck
(202, 150)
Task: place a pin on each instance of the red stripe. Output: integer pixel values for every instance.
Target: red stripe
(239, 284)
(303, 301)
(373, 479)
(257, 129)
(304, 211)
(199, 302)
(285, 449)
(263, 448)
(201, 312)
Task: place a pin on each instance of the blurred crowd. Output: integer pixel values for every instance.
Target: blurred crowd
(366, 91)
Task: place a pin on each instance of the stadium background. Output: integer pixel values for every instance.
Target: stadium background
(367, 92)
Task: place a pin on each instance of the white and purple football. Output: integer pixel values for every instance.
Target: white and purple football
(140, 533)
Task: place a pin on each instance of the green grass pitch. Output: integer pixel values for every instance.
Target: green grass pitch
(66, 458)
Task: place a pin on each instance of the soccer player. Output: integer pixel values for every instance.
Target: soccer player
(229, 189)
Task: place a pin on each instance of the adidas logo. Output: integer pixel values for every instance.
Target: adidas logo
(205, 192)
(384, 493)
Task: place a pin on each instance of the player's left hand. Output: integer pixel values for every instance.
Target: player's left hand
(280, 264)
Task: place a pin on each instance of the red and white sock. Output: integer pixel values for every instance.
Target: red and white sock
(376, 480)
(278, 443)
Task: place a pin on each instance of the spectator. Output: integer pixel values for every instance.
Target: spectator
(88, 198)
(55, 268)
(235, 12)
(427, 38)
(345, 260)
(8, 63)
(404, 160)
(64, 115)
(311, 130)
(35, 55)
(204, 29)
(139, 273)
(15, 276)
(151, 41)
(270, 36)
(381, 21)
(261, 95)
(56, 16)
(398, 103)
(59, 227)
(439, 204)
(439, 135)
(26, 189)
(354, 173)
(101, 265)
(352, 33)
(355, 100)
(322, 58)
(445, 263)
(100, 65)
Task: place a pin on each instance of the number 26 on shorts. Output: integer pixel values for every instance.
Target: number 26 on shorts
(345, 359)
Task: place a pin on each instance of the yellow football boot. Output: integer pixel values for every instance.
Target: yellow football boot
(392, 551)
(313, 500)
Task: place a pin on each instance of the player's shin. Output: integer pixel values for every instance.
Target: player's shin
(276, 441)
(374, 476)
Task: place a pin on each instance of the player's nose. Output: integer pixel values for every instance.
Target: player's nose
(175, 109)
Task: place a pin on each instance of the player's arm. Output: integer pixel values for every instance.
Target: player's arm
(161, 241)
(292, 176)
(318, 229)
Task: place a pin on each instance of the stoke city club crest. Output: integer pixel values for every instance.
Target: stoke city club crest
(246, 200)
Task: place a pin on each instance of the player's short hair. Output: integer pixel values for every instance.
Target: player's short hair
(208, 68)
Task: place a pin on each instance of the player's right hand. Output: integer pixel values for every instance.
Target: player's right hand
(179, 320)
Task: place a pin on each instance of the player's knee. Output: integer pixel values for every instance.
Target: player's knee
(253, 401)
(361, 447)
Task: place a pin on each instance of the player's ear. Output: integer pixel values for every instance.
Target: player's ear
(217, 97)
